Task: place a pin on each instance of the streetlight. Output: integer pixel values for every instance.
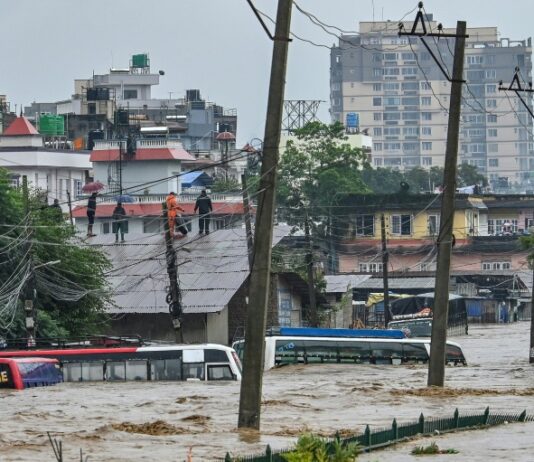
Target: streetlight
(29, 307)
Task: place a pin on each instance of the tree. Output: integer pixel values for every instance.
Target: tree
(382, 180)
(225, 185)
(469, 175)
(318, 167)
(69, 295)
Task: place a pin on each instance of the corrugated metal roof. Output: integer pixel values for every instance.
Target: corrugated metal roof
(339, 283)
(399, 283)
(210, 270)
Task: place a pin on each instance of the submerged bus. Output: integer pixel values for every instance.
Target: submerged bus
(301, 349)
(172, 362)
(20, 373)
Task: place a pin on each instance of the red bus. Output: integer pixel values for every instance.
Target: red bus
(20, 373)
(171, 362)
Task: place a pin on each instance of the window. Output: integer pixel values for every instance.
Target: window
(426, 100)
(426, 86)
(426, 116)
(391, 131)
(426, 130)
(491, 89)
(407, 56)
(392, 116)
(492, 132)
(377, 161)
(364, 225)
(410, 115)
(377, 72)
(116, 370)
(151, 225)
(77, 188)
(401, 225)
(492, 118)
(377, 146)
(410, 86)
(500, 226)
(220, 372)
(391, 86)
(427, 161)
(390, 56)
(426, 145)
(371, 267)
(493, 162)
(166, 369)
(392, 146)
(433, 225)
(377, 116)
(377, 131)
(130, 94)
(409, 71)
(496, 265)
(377, 86)
(391, 71)
(410, 131)
(377, 57)
(491, 103)
(392, 101)
(477, 148)
(410, 101)
(377, 101)
(193, 371)
(136, 370)
(475, 59)
(491, 74)
(410, 147)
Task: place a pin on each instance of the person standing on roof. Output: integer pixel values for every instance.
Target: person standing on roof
(172, 211)
(91, 212)
(119, 221)
(204, 207)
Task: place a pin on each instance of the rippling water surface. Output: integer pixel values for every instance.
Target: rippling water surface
(161, 421)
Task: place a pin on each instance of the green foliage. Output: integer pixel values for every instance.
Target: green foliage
(468, 175)
(527, 243)
(431, 449)
(225, 185)
(311, 448)
(318, 166)
(69, 295)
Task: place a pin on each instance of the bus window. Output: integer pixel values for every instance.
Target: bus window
(92, 371)
(166, 369)
(354, 352)
(116, 370)
(239, 348)
(216, 356)
(220, 372)
(193, 371)
(454, 355)
(72, 372)
(384, 353)
(318, 351)
(136, 370)
(414, 352)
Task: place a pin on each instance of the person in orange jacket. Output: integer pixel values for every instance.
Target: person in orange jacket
(172, 211)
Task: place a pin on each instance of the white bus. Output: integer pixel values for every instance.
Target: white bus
(282, 350)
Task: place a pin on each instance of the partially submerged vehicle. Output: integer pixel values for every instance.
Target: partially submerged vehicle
(20, 373)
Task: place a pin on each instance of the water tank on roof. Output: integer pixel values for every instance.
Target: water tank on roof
(192, 95)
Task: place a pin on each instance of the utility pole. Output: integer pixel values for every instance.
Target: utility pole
(251, 385)
(436, 367)
(29, 308)
(385, 263)
(174, 297)
(248, 221)
(70, 208)
(314, 321)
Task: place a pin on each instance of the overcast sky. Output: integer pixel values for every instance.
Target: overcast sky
(214, 45)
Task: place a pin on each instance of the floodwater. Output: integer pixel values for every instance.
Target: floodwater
(164, 421)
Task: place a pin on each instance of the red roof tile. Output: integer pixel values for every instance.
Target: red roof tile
(154, 210)
(109, 155)
(21, 126)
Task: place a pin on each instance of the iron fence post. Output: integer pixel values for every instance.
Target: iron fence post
(456, 418)
(486, 416)
(522, 416)
(228, 457)
(268, 453)
(367, 435)
(421, 423)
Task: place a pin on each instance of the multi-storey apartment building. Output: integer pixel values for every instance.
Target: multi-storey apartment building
(396, 90)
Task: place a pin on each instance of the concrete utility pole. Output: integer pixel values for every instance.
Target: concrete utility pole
(174, 297)
(251, 385)
(531, 351)
(385, 263)
(248, 223)
(436, 366)
(29, 308)
(314, 319)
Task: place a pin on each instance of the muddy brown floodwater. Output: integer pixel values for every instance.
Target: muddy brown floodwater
(161, 421)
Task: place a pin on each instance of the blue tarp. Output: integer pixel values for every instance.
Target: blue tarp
(318, 332)
(191, 179)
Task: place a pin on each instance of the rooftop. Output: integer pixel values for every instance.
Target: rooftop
(21, 126)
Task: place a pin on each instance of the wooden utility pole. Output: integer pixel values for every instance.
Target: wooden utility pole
(174, 297)
(248, 221)
(531, 354)
(29, 307)
(314, 318)
(436, 367)
(251, 385)
(385, 263)
(69, 202)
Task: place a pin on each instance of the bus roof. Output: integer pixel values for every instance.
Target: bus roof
(351, 333)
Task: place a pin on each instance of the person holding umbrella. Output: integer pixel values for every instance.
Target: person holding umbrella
(119, 221)
(91, 211)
